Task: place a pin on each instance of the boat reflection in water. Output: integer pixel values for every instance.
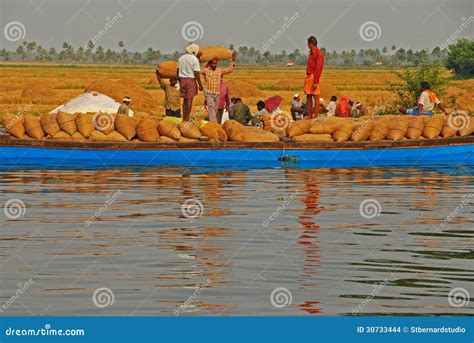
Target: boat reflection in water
(219, 241)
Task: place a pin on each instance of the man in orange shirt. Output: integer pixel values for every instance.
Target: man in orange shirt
(314, 68)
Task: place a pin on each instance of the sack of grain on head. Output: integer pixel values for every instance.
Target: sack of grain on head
(214, 131)
(104, 122)
(299, 127)
(78, 136)
(211, 52)
(344, 131)
(415, 127)
(362, 130)
(84, 123)
(33, 127)
(61, 136)
(66, 122)
(189, 130)
(398, 128)
(169, 129)
(14, 125)
(50, 124)
(115, 136)
(168, 69)
(433, 126)
(147, 130)
(314, 137)
(125, 126)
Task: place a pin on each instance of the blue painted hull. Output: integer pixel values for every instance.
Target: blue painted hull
(453, 155)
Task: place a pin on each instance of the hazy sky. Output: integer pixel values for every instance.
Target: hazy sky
(338, 24)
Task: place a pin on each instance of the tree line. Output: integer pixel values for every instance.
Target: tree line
(393, 56)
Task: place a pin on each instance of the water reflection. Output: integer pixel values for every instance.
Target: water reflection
(226, 261)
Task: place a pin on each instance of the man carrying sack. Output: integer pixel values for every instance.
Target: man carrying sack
(314, 68)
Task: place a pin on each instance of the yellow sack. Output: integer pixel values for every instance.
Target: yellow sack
(189, 130)
(183, 139)
(398, 128)
(169, 129)
(14, 125)
(433, 126)
(325, 126)
(97, 135)
(33, 127)
(168, 69)
(61, 136)
(447, 131)
(211, 52)
(468, 129)
(50, 124)
(147, 130)
(125, 126)
(78, 136)
(84, 123)
(66, 122)
(166, 139)
(415, 127)
(344, 131)
(116, 137)
(362, 130)
(214, 131)
(299, 127)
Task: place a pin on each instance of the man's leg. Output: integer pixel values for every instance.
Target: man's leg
(219, 114)
(316, 106)
(211, 100)
(187, 105)
(309, 104)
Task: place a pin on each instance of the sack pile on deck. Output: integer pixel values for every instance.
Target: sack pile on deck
(142, 128)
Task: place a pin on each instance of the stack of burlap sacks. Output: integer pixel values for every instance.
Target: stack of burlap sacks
(375, 128)
(121, 128)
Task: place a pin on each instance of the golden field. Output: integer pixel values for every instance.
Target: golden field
(38, 88)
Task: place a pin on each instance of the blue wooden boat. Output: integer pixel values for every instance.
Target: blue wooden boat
(441, 151)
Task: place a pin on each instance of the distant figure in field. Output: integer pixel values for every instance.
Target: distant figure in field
(213, 76)
(314, 68)
(172, 100)
(189, 78)
(224, 101)
(360, 110)
(331, 107)
(240, 112)
(124, 107)
(297, 108)
(343, 109)
(261, 110)
(426, 102)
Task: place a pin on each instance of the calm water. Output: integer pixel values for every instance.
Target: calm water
(257, 231)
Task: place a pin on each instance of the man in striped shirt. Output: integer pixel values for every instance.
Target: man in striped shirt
(212, 87)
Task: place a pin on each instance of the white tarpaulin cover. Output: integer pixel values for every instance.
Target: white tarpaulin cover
(90, 102)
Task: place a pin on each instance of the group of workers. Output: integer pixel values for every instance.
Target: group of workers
(188, 82)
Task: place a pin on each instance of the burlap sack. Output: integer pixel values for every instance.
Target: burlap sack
(415, 127)
(362, 130)
(116, 137)
(379, 130)
(468, 129)
(62, 136)
(97, 135)
(214, 131)
(258, 137)
(33, 127)
(66, 122)
(183, 139)
(325, 126)
(447, 131)
(78, 136)
(166, 139)
(169, 129)
(104, 122)
(299, 127)
(50, 124)
(168, 69)
(344, 131)
(14, 125)
(189, 130)
(84, 123)
(398, 128)
(314, 137)
(210, 52)
(433, 126)
(125, 126)
(147, 130)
